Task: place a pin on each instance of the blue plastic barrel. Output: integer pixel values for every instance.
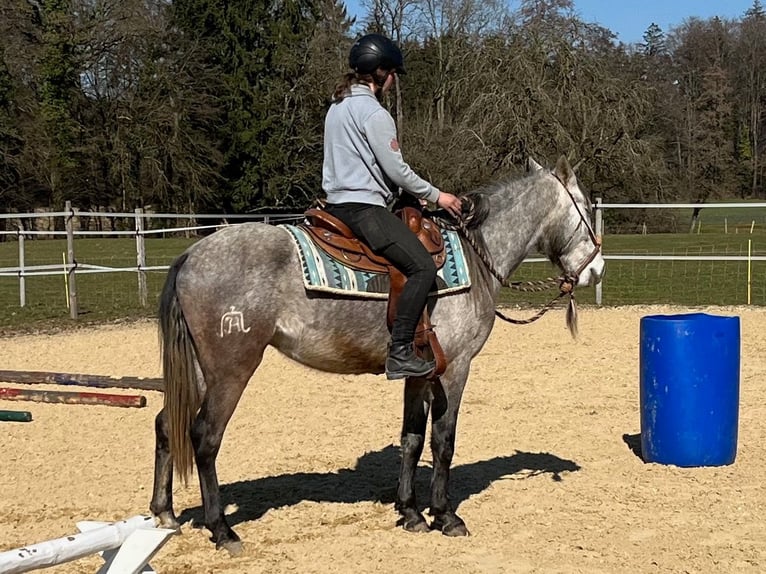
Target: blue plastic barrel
(689, 389)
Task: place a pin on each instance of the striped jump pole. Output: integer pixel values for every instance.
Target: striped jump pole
(72, 397)
(79, 379)
(16, 416)
(127, 547)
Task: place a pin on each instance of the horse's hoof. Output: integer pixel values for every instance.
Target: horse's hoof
(167, 520)
(450, 527)
(417, 524)
(455, 529)
(233, 547)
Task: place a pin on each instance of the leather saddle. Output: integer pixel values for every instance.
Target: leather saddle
(335, 238)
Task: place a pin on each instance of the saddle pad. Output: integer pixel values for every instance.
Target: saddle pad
(321, 272)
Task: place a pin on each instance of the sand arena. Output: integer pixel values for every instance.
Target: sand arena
(542, 474)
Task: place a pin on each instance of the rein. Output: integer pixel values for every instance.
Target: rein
(566, 282)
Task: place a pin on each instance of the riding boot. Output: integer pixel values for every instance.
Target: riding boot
(402, 362)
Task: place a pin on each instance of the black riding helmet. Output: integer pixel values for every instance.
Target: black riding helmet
(375, 51)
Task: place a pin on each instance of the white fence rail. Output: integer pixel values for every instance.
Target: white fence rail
(141, 227)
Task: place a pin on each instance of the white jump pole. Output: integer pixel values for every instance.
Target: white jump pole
(127, 547)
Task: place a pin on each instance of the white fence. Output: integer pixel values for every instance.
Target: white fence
(719, 220)
(141, 225)
(70, 267)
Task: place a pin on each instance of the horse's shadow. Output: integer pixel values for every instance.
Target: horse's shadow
(374, 479)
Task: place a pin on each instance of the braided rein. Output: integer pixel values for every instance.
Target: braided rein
(565, 283)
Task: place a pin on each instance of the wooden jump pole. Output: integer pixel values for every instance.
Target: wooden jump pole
(72, 398)
(77, 379)
(16, 416)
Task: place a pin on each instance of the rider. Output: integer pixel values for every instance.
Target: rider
(362, 168)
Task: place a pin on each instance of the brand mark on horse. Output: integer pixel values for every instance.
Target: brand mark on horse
(233, 321)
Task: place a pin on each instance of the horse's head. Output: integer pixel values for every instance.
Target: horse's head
(571, 243)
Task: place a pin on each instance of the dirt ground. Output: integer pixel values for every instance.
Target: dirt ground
(543, 473)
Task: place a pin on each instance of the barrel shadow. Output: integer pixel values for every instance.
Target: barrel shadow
(634, 444)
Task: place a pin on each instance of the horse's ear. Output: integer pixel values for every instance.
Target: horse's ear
(533, 166)
(565, 172)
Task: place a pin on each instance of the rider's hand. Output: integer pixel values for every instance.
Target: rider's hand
(449, 202)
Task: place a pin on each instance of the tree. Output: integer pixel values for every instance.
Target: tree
(751, 82)
(260, 53)
(707, 131)
(654, 42)
(451, 26)
(58, 93)
(9, 143)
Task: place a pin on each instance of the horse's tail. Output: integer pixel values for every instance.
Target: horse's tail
(182, 395)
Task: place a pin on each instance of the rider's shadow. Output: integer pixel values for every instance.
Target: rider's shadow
(374, 479)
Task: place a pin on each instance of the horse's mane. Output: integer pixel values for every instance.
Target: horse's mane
(476, 205)
(476, 202)
(476, 209)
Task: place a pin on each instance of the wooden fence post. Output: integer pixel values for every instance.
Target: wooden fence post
(599, 234)
(141, 256)
(71, 262)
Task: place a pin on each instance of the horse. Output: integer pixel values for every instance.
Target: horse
(251, 275)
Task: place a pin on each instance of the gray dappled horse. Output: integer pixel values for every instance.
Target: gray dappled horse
(251, 275)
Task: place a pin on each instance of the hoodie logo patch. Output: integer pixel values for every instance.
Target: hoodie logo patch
(394, 145)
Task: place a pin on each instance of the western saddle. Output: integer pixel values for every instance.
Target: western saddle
(337, 240)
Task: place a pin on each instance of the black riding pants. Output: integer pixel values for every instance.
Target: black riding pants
(389, 236)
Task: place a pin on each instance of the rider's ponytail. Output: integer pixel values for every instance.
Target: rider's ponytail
(343, 88)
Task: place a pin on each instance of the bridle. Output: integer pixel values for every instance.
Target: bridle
(566, 282)
(593, 237)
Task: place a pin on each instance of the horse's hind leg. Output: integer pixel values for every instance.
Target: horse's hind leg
(224, 390)
(416, 395)
(445, 405)
(162, 498)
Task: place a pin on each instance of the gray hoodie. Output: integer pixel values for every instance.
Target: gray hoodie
(362, 160)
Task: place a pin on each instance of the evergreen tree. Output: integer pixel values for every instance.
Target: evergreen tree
(756, 11)
(59, 85)
(654, 41)
(260, 51)
(9, 142)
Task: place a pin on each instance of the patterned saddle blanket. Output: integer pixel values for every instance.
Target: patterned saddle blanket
(322, 272)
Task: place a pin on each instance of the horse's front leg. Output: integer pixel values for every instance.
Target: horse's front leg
(447, 394)
(416, 400)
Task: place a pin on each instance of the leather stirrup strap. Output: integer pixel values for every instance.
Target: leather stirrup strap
(431, 341)
(426, 341)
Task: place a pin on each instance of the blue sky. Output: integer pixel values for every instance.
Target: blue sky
(629, 19)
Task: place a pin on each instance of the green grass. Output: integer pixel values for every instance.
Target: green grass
(737, 218)
(712, 220)
(114, 296)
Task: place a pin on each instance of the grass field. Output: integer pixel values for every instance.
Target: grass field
(734, 217)
(114, 296)
(711, 220)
